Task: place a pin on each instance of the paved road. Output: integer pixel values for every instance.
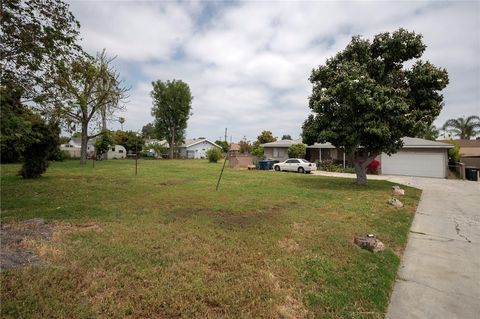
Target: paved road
(440, 273)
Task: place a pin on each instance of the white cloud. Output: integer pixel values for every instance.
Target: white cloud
(248, 63)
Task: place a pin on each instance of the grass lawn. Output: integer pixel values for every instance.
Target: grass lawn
(164, 244)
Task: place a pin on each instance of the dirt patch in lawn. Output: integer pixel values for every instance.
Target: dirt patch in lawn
(33, 241)
(13, 253)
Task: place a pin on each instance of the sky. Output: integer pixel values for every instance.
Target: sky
(248, 63)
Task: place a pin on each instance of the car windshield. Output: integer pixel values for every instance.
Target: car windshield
(304, 161)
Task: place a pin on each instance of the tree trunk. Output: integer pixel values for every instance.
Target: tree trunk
(172, 144)
(104, 128)
(360, 161)
(361, 172)
(83, 149)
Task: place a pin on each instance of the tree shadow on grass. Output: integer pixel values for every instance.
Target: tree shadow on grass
(339, 183)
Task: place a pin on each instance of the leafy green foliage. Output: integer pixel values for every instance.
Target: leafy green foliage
(297, 151)
(265, 137)
(257, 151)
(15, 127)
(132, 141)
(429, 133)
(214, 155)
(78, 103)
(286, 137)
(121, 120)
(159, 149)
(245, 146)
(464, 128)
(454, 153)
(223, 144)
(104, 143)
(148, 132)
(35, 35)
(364, 96)
(172, 103)
(43, 140)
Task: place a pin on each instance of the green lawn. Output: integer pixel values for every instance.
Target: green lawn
(164, 244)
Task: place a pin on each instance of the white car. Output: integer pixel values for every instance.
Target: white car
(295, 165)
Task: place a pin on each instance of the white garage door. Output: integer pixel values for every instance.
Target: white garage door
(410, 163)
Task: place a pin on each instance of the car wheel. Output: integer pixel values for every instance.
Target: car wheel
(301, 170)
(277, 168)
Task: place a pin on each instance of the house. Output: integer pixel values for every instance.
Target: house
(196, 148)
(317, 152)
(417, 157)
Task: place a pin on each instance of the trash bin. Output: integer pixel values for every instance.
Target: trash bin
(471, 173)
(263, 165)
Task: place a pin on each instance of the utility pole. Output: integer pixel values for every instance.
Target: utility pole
(225, 135)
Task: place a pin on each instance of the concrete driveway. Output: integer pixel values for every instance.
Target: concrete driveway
(440, 272)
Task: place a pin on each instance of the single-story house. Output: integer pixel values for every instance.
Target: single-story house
(317, 152)
(196, 148)
(417, 157)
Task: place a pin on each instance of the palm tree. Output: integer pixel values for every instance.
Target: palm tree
(121, 120)
(465, 128)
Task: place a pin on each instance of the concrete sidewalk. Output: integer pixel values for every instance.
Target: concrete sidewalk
(439, 276)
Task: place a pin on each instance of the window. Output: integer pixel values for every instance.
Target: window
(113, 149)
(120, 151)
(275, 152)
(293, 161)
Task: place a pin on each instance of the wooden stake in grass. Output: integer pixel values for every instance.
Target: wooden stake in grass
(223, 167)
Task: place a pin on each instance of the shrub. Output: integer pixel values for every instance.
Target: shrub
(257, 151)
(44, 139)
(330, 166)
(103, 143)
(454, 153)
(373, 167)
(297, 151)
(214, 155)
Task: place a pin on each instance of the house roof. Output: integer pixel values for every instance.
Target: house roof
(415, 142)
(467, 147)
(191, 142)
(408, 142)
(155, 141)
(78, 141)
(282, 143)
(234, 147)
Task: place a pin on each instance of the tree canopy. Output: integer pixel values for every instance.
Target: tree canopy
(297, 151)
(286, 137)
(86, 86)
(265, 137)
(429, 133)
(364, 99)
(35, 36)
(172, 103)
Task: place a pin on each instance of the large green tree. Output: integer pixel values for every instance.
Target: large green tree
(365, 98)
(265, 137)
(132, 141)
(35, 36)
(172, 103)
(148, 131)
(464, 128)
(85, 88)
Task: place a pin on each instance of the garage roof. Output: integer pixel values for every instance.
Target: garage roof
(415, 142)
